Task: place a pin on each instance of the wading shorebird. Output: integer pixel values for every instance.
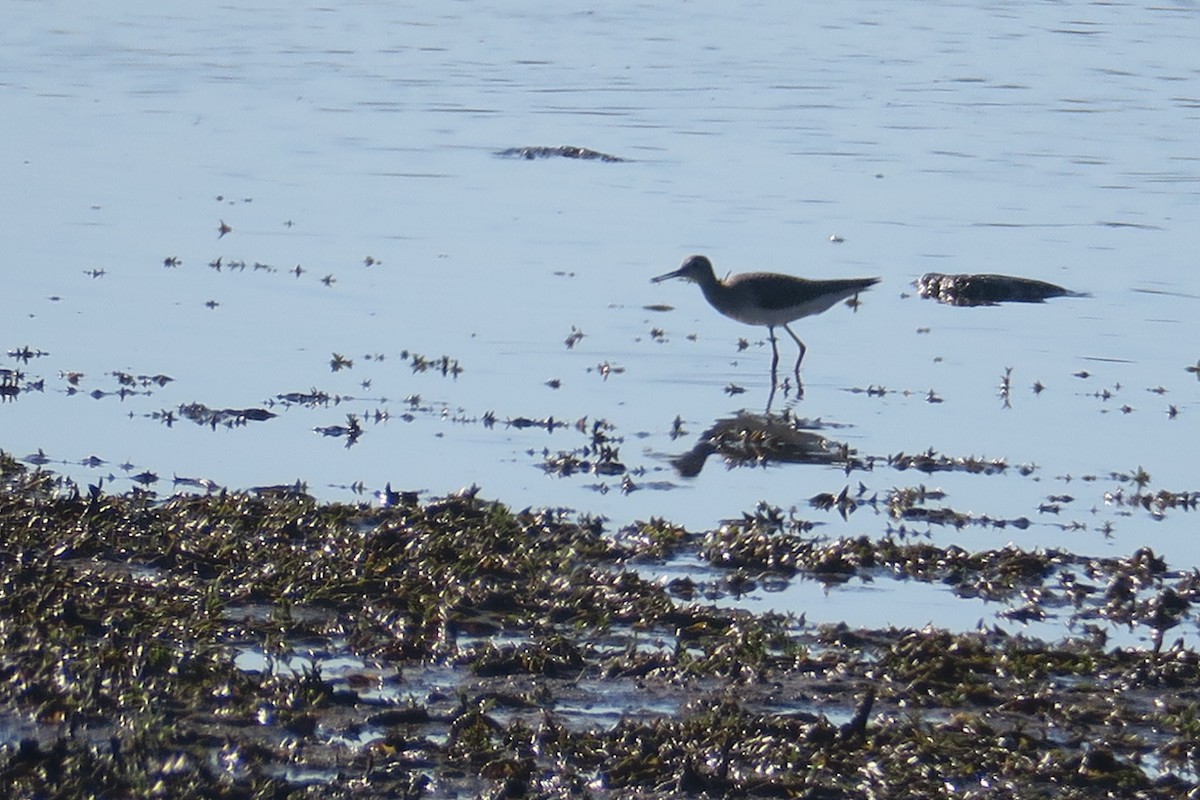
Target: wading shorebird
(768, 298)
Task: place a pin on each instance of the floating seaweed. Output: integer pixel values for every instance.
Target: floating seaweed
(931, 461)
(26, 354)
(352, 431)
(128, 380)
(548, 424)
(313, 398)
(229, 417)
(600, 456)
(446, 365)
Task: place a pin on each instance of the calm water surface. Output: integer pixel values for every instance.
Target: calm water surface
(1050, 140)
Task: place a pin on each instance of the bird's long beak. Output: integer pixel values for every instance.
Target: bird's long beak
(676, 274)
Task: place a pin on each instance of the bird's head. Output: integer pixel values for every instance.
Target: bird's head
(692, 269)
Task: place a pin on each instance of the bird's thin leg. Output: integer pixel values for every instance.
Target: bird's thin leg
(774, 357)
(799, 358)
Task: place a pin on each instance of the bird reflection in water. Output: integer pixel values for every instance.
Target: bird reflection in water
(749, 438)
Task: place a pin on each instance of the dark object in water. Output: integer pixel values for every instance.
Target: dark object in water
(531, 153)
(987, 290)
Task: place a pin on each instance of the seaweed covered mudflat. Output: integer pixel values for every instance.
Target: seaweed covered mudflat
(258, 644)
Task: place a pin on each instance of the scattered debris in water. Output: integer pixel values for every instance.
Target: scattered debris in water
(212, 417)
(930, 461)
(548, 424)
(313, 398)
(38, 459)
(196, 483)
(352, 430)
(125, 379)
(599, 456)
(605, 369)
(574, 338)
(26, 354)
(146, 478)
(284, 491)
(446, 365)
(1006, 387)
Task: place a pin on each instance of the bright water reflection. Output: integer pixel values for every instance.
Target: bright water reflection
(1048, 140)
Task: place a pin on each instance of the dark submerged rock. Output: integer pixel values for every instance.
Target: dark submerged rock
(987, 289)
(530, 153)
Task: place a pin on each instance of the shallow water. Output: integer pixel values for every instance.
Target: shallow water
(1045, 140)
